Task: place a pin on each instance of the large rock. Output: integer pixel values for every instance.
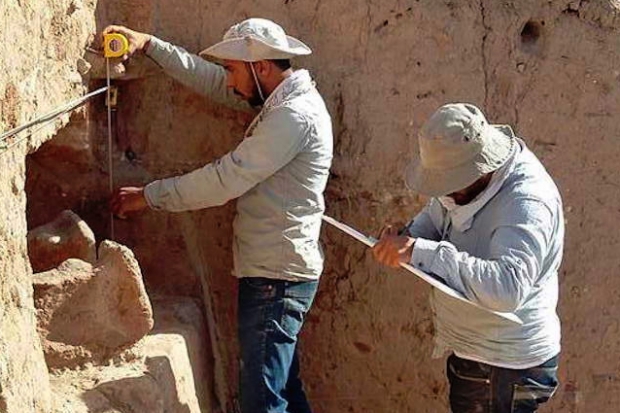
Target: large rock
(169, 379)
(90, 313)
(68, 236)
(181, 336)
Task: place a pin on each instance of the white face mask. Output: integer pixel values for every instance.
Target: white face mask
(448, 203)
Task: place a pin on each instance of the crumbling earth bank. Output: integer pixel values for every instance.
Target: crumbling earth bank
(548, 68)
(32, 53)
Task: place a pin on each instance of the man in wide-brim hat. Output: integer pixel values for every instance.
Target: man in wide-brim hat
(278, 172)
(494, 231)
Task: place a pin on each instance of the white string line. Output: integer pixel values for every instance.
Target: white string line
(53, 114)
(44, 120)
(5, 149)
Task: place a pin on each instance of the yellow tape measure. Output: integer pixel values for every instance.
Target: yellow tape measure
(115, 45)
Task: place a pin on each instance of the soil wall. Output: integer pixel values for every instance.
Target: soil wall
(550, 69)
(43, 40)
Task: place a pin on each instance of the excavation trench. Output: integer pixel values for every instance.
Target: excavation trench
(70, 173)
(547, 68)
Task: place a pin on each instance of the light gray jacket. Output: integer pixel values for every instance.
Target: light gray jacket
(507, 261)
(278, 172)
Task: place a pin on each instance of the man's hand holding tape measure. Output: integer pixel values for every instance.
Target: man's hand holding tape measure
(138, 42)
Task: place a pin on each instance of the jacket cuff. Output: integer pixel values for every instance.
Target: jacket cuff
(423, 254)
(151, 194)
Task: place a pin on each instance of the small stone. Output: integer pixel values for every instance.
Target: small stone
(68, 236)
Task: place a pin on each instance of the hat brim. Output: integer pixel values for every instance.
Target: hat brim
(434, 182)
(251, 49)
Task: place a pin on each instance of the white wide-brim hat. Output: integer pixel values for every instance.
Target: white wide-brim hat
(457, 146)
(256, 39)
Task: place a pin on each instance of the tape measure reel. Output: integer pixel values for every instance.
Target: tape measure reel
(115, 45)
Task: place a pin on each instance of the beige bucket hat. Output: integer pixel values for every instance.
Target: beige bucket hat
(456, 147)
(256, 39)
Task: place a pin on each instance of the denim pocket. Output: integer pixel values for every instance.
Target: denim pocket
(527, 397)
(536, 387)
(468, 370)
(296, 302)
(470, 386)
(291, 320)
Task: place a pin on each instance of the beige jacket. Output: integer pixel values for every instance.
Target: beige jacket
(278, 172)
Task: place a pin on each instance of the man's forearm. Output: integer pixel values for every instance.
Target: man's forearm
(193, 71)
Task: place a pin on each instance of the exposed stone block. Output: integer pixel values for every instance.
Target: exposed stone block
(169, 379)
(91, 313)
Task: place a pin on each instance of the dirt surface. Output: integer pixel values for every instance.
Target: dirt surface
(169, 377)
(550, 69)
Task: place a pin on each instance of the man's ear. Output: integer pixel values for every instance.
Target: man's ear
(263, 68)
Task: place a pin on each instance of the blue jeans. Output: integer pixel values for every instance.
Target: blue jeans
(271, 314)
(480, 388)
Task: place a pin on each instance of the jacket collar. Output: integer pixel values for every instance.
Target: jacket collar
(297, 84)
(462, 216)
